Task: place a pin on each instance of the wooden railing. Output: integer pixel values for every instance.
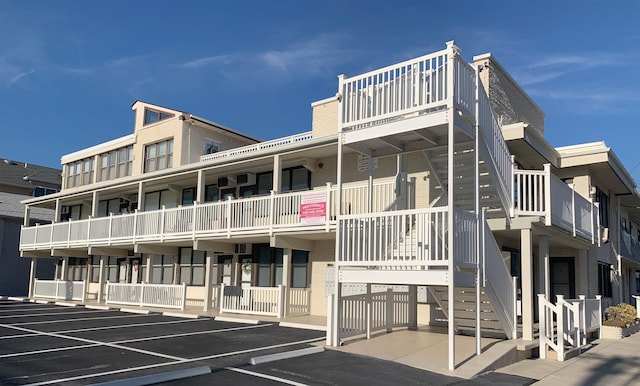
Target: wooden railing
(150, 295)
(540, 193)
(59, 289)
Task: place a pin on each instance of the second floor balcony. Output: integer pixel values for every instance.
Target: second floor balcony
(303, 211)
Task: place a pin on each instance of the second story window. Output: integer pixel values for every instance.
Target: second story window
(603, 202)
(158, 156)
(152, 116)
(116, 163)
(79, 173)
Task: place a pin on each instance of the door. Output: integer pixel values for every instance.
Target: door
(226, 271)
(122, 270)
(562, 277)
(136, 270)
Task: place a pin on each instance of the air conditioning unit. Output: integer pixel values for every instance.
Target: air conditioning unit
(243, 249)
(226, 182)
(604, 235)
(246, 179)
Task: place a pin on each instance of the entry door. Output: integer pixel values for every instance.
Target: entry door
(122, 271)
(226, 270)
(136, 270)
(245, 271)
(562, 277)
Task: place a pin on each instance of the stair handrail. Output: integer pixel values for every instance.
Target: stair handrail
(568, 316)
(499, 285)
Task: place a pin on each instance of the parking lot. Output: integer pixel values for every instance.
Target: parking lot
(43, 344)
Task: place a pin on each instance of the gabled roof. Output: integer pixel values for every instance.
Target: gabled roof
(26, 176)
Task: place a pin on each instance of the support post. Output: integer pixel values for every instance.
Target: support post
(543, 264)
(526, 250)
(32, 276)
(207, 283)
(101, 280)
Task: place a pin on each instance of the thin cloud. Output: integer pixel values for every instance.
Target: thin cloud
(15, 79)
(224, 59)
(580, 61)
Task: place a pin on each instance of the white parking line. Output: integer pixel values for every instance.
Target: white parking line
(23, 309)
(90, 341)
(52, 314)
(75, 320)
(134, 369)
(265, 376)
(106, 327)
(157, 337)
(57, 349)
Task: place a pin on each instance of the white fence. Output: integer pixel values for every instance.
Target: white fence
(268, 301)
(374, 309)
(246, 215)
(59, 289)
(564, 326)
(150, 295)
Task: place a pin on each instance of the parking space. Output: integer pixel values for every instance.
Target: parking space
(43, 344)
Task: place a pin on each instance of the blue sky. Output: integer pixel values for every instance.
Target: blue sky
(70, 70)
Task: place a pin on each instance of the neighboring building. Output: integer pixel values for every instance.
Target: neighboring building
(18, 181)
(391, 190)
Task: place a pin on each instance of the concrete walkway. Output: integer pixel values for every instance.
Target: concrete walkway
(606, 362)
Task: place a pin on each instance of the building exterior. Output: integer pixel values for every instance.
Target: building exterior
(423, 189)
(19, 181)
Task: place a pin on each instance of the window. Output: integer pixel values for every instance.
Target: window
(603, 209)
(270, 267)
(152, 116)
(80, 172)
(210, 147)
(158, 156)
(161, 269)
(42, 191)
(156, 200)
(296, 178)
(95, 269)
(191, 266)
(604, 279)
(211, 193)
(188, 196)
(116, 163)
(111, 269)
(77, 269)
(637, 281)
(299, 262)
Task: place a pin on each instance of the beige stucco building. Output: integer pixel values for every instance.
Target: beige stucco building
(430, 179)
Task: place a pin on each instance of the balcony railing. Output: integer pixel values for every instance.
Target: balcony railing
(257, 147)
(540, 193)
(253, 215)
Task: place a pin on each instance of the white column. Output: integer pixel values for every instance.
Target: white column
(148, 274)
(207, 281)
(452, 53)
(286, 277)
(94, 204)
(200, 188)
(277, 173)
(32, 276)
(27, 215)
(141, 196)
(65, 267)
(101, 280)
(543, 264)
(526, 252)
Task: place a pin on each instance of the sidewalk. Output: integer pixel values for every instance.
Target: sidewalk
(606, 362)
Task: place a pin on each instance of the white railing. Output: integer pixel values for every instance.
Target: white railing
(377, 309)
(540, 193)
(386, 94)
(464, 87)
(499, 286)
(150, 295)
(564, 325)
(261, 214)
(257, 147)
(266, 301)
(59, 289)
(398, 238)
(498, 160)
(465, 226)
(298, 302)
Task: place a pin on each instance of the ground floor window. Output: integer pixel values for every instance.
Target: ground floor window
(604, 279)
(111, 268)
(77, 269)
(637, 281)
(191, 267)
(95, 269)
(161, 269)
(270, 267)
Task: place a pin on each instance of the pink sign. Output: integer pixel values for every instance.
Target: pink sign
(313, 208)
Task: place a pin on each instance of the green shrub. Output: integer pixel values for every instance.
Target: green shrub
(621, 315)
